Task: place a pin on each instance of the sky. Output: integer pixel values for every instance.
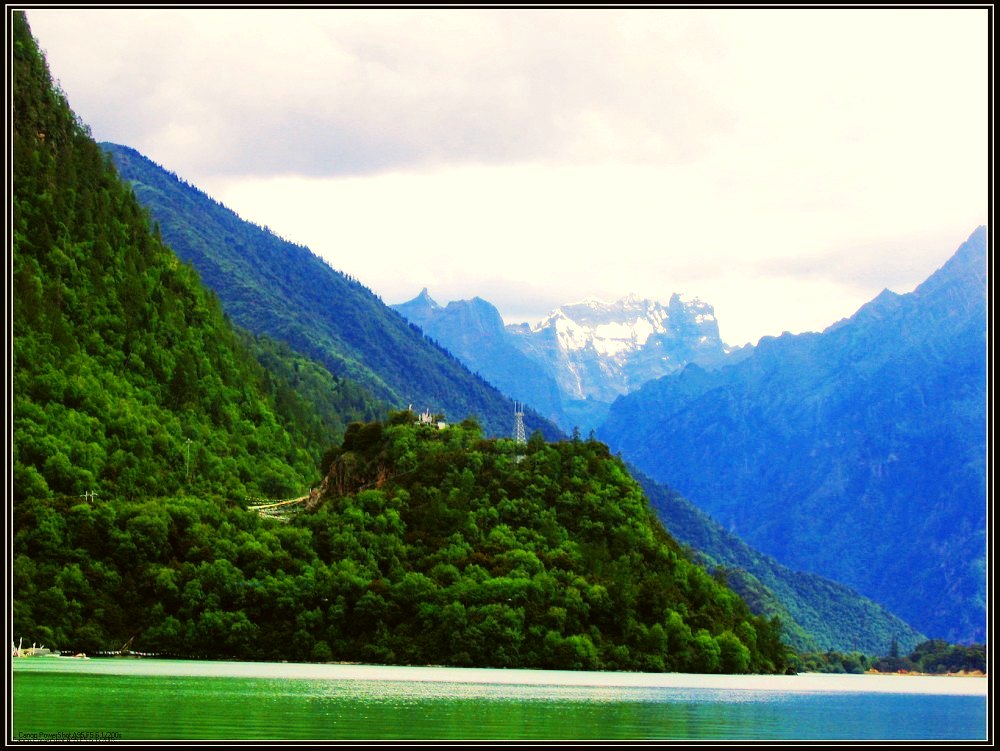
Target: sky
(784, 166)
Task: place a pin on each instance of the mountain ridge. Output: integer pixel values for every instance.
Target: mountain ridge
(635, 339)
(885, 407)
(274, 287)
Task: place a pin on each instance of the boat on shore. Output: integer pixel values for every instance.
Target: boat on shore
(43, 651)
(34, 651)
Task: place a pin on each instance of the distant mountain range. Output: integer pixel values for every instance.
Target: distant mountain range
(270, 286)
(579, 359)
(858, 453)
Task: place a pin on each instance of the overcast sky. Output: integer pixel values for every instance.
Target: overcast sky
(782, 165)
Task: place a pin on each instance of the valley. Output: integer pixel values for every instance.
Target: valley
(674, 504)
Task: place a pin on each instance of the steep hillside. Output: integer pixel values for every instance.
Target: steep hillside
(532, 556)
(474, 332)
(274, 287)
(817, 614)
(858, 453)
(128, 381)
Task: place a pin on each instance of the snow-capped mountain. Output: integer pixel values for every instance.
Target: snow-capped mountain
(582, 356)
(602, 350)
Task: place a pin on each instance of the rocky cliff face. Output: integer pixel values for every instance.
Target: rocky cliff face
(602, 350)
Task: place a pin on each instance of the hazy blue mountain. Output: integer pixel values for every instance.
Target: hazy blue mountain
(420, 310)
(474, 332)
(271, 286)
(818, 614)
(858, 453)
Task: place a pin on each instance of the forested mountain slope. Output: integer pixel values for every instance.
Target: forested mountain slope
(274, 287)
(818, 614)
(128, 380)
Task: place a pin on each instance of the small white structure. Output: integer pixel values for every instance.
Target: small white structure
(426, 418)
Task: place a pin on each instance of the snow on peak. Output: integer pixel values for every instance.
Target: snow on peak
(618, 328)
(601, 350)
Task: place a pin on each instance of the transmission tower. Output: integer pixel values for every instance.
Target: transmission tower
(519, 424)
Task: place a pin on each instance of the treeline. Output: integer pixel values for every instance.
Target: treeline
(428, 547)
(935, 656)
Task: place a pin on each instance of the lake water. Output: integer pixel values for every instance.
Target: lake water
(176, 699)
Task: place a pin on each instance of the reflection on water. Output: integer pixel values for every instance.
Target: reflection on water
(162, 699)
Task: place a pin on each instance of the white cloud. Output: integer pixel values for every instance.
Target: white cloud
(784, 166)
(353, 92)
(530, 238)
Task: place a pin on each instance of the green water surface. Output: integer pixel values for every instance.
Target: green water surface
(143, 700)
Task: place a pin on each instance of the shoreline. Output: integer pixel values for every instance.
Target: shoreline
(918, 674)
(890, 683)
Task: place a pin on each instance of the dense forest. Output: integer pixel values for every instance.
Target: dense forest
(128, 380)
(426, 546)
